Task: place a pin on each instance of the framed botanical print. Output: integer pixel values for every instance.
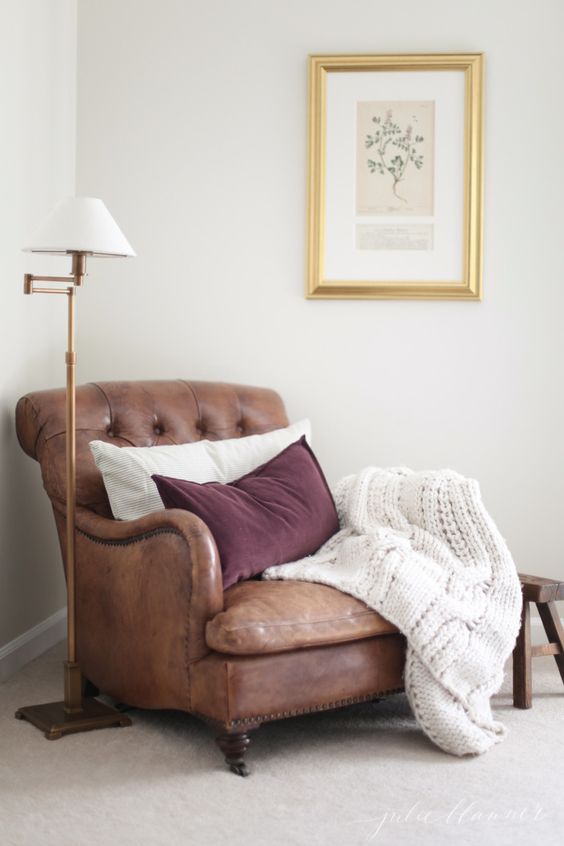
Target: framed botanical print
(395, 177)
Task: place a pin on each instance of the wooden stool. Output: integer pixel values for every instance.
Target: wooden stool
(544, 592)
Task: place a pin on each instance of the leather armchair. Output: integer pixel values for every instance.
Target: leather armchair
(155, 628)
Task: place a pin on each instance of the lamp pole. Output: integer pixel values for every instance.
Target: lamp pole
(76, 712)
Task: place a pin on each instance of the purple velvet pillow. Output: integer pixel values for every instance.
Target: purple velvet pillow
(279, 512)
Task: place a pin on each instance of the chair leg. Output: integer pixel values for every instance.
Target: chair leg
(554, 631)
(234, 747)
(522, 670)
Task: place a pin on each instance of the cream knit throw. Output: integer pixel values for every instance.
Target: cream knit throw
(421, 549)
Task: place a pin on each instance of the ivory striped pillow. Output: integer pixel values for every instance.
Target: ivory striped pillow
(127, 471)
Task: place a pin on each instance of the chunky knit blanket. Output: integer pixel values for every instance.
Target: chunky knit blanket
(421, 549)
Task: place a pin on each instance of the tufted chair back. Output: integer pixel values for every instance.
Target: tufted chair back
(144, 413)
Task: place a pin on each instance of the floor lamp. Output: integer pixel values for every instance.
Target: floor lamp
(79, 227)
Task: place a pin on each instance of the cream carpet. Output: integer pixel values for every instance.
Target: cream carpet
(364, 774)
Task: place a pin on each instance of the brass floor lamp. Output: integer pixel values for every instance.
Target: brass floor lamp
(80, 227)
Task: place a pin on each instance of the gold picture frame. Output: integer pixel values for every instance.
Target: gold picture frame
(332, 169)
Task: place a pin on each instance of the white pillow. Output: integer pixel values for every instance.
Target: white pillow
(127, 471)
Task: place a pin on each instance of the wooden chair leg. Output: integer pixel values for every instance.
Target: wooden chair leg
(522, 669)
(554, 632)
(234, 747)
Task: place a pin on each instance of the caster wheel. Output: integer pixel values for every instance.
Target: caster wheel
(239, 769)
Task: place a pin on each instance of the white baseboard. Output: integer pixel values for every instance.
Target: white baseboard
(30, 644)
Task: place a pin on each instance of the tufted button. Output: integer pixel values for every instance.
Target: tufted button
(158, 430)
(109, 432)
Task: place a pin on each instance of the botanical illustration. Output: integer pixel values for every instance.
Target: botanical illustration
(395, 149)
(395, 158)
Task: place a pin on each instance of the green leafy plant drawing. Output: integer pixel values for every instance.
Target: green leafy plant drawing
(395, 148)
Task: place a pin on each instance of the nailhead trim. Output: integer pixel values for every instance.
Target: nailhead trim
(128, 541)
(295, 713)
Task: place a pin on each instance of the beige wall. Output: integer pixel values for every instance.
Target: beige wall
(192, 126)
(37, 164)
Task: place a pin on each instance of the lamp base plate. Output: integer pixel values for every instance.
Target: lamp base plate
(52, 719)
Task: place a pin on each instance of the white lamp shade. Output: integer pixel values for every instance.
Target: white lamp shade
(80, 224)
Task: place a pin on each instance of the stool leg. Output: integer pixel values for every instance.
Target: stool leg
(522, 675)
(554, 631)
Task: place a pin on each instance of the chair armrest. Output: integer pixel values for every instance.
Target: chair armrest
(145, 590)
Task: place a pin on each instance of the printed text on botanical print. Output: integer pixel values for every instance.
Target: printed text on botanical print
(394, 236)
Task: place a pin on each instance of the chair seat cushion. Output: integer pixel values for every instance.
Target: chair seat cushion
(268, 616)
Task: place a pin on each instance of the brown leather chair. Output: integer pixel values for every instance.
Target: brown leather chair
(155, 628)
